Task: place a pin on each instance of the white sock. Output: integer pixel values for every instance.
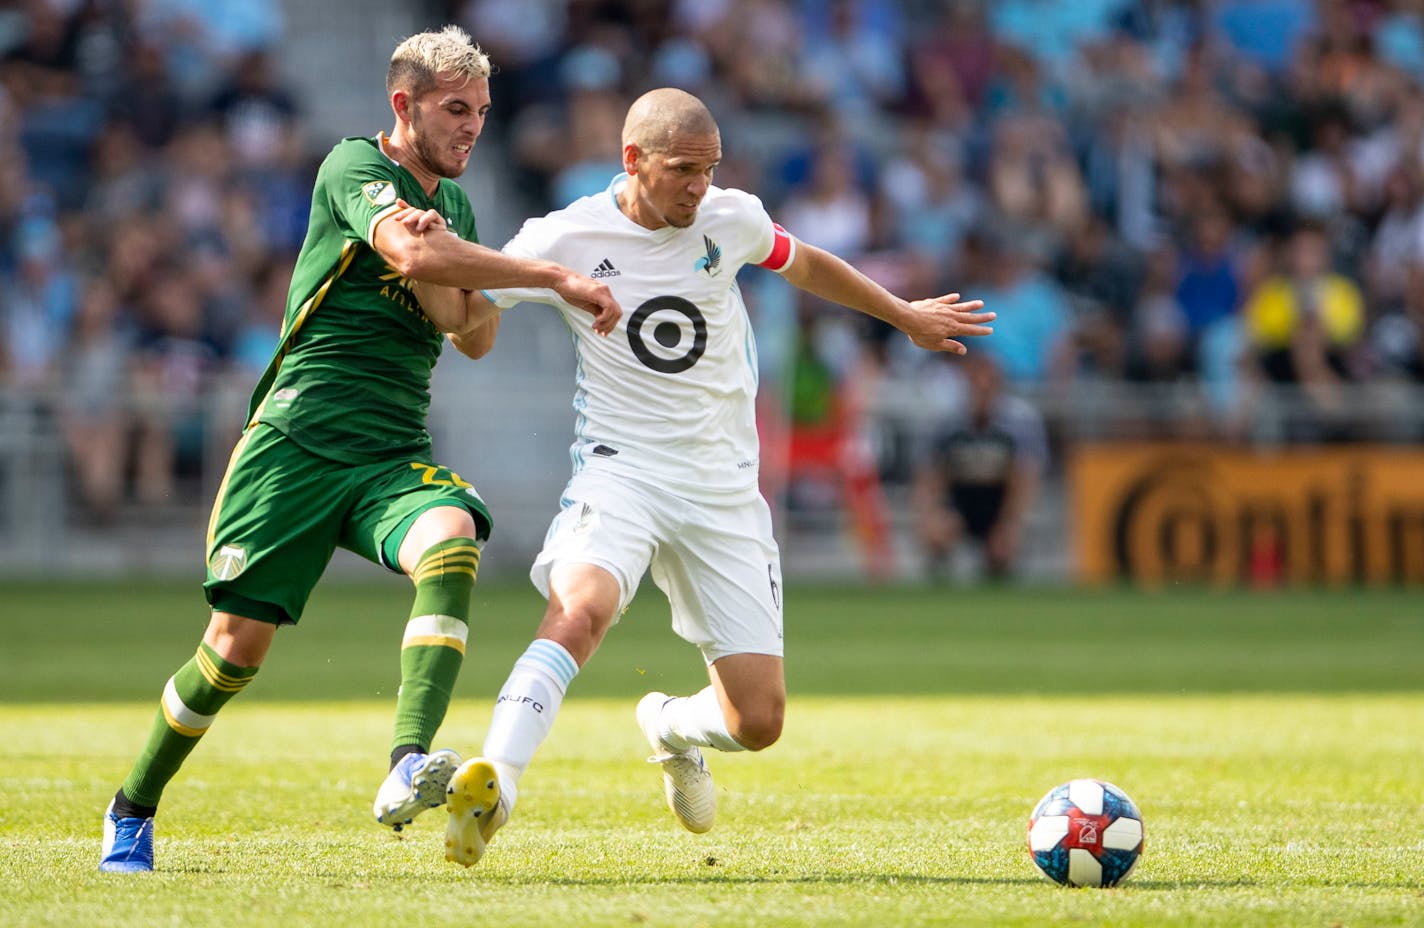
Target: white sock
(696, 719)
(525, 710)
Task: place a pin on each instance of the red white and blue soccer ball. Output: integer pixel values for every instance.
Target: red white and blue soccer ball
(1085, 833)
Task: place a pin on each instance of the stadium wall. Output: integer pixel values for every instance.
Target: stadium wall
(1156, 514)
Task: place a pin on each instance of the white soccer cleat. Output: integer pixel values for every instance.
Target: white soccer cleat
(477, 807)
(416, 783)
(687, 782)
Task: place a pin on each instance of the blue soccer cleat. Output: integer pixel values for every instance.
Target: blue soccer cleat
(128, 844)
(416, 783)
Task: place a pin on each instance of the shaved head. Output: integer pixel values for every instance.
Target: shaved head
(671, 146)
(659, 117)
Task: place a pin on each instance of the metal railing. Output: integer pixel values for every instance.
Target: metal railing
(516, 453)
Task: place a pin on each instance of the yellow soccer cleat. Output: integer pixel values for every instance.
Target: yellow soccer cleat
(477, 810)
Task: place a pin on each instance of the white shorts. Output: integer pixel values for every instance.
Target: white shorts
(718, 563)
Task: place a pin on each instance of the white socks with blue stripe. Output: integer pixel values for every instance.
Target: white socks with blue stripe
(525, 710)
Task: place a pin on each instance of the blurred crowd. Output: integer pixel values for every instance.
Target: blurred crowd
(154, 188)
(1222, 195)
(1201, 198)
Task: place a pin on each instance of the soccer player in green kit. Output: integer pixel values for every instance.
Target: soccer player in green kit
(335, 451)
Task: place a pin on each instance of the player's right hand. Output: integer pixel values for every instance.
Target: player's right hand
(418, 220)
(594, 298)
(938, 321)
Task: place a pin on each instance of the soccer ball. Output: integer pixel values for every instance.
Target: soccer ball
(1085, 833)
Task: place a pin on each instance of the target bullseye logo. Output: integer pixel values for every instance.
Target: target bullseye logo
(668, 334)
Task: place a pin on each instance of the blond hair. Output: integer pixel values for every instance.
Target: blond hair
(421, 60)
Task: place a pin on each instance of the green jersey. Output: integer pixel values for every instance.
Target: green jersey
(351, 378)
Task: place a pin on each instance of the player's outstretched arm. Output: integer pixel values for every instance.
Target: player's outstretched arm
(933, 324)
(417, 244)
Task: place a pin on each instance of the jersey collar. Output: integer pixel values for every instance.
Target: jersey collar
(614, 186)
(381, 144)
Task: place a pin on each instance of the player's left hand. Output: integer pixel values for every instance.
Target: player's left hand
(937, 322)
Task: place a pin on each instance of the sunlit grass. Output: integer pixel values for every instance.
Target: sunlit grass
(1259, 810)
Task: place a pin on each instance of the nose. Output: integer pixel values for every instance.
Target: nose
(698, 184)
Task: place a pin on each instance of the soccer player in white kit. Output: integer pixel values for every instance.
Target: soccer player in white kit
(665, 459)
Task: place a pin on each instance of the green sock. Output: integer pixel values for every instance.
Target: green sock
(190, 701)
(434, 645)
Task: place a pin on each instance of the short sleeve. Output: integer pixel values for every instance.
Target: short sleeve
(769, 244)
(534, 240)
(783, 249)
(361, 189)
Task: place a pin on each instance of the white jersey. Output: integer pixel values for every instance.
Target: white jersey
(669, 396)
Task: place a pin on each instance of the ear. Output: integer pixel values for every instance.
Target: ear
(401, 103)
(631, 154)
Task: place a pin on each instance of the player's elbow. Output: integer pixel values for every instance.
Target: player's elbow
(469, 349)
(474, 348)
(475, 344)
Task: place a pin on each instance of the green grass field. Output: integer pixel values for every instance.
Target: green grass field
(1273, 744)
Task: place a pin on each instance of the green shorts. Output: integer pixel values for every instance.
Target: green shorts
(282, 512)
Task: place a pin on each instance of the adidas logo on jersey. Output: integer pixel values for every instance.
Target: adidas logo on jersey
(605, 269)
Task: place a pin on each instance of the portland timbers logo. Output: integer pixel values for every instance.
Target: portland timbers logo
(710, 262)
(228, 562)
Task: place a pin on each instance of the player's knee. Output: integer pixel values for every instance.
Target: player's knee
(238, 639)
(578, 626)
(759, 728)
